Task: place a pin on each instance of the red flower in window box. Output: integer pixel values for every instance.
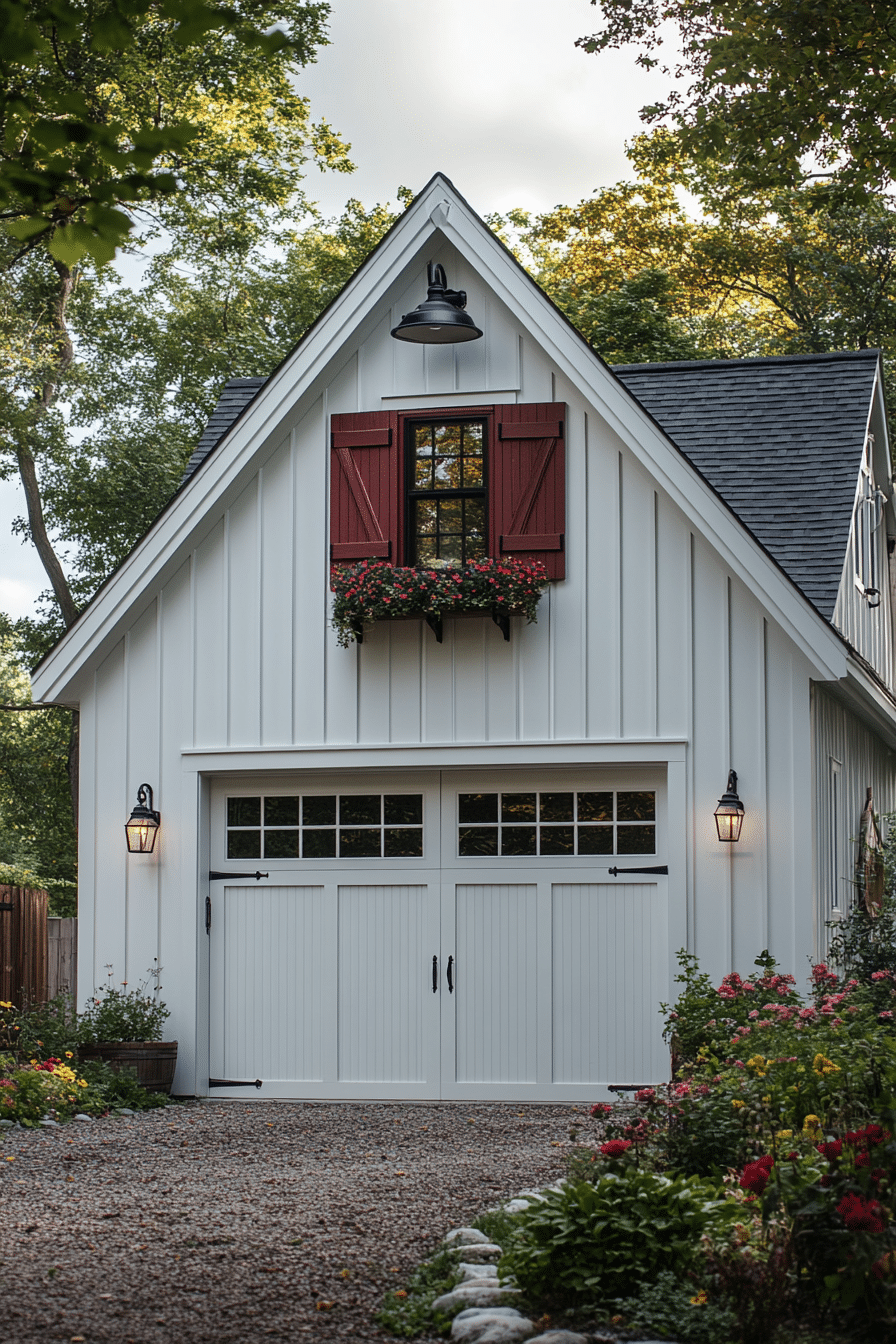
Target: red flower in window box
(374, 590)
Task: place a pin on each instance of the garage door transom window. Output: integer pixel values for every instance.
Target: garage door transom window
(609, 822)
(326, 826)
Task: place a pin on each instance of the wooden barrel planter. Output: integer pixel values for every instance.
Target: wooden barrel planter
(152, 1061)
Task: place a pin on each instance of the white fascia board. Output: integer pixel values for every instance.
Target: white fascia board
(303, 373)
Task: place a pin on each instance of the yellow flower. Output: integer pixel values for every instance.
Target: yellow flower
(737, 1103)
(811, 1122)
(765, 1100)
(4, 1004)
(823, 1066)
(69, 1054)
(784, 1134)
(701, 1298)
(82, 1082)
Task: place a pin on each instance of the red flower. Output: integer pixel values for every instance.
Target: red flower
(756, 1176)
(600, 1108)
(860, 1214)
(615, 1147)
(869, 1137)
(830, 1150)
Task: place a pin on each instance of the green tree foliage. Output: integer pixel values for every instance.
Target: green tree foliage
(792, 272)
(775, 91)
(237, 174)
(37, 832)
(108, 103)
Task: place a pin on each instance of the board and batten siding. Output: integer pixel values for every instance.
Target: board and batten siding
(870, 629)
(650, 639)
(848, 758)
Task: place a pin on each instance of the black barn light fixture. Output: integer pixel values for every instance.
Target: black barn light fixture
(440, 320)
(142, 826)
(729, 814)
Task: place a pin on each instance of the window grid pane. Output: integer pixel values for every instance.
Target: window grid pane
(324, 826)
(586, 823)
(447, 504)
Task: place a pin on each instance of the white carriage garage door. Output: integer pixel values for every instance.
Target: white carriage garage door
(454, 935)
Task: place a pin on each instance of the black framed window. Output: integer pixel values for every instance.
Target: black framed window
(567, 822)
(326, 826)
(447, 499)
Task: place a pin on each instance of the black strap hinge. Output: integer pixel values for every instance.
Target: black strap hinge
(234, 1082)
(219, 877)
(662, 868)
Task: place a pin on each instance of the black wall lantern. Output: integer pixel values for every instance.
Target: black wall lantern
(142, 826)
(440, 320)
(730, 812)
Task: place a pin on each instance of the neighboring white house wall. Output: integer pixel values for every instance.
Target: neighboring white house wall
(867, 620)
(848, 758)
(650, 641)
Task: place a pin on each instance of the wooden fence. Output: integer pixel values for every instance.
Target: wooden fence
(62, 961)
(23, 945)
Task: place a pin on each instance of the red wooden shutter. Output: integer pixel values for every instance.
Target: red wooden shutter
(527, 484)
(365, 487)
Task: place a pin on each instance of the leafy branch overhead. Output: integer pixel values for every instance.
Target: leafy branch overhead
(107, 104)
(775, 92)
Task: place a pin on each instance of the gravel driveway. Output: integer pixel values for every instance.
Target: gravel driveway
(222, 1221)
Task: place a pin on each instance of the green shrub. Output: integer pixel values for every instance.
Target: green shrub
(671, 1309)
(23, 1097)
(44, 1031)
(497, 1224)
(114, 1014)
(588, 1244)
(407, 1312)
(703, 1136)
(110, 1088)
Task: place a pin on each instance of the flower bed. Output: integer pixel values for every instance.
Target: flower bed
(373, 590)
(780, 1124)
(48, 1064)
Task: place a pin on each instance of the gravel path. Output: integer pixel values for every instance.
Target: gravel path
(224, 1222)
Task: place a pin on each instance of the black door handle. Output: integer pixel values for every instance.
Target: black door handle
(435, 974)
(450, 981)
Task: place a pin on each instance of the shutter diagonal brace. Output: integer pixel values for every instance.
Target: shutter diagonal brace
(516, 539)
(361, 498)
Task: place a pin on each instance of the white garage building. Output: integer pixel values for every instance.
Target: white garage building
(482, 853)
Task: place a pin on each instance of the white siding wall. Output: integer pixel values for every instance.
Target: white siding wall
(649, 638)
(870, 629)
(848, 758)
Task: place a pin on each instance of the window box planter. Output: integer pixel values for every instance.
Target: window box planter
(375, 591)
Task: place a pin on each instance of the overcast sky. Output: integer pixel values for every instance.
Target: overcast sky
(494, 93)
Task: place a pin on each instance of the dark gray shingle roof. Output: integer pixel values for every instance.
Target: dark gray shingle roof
(780, 439)
(235, 397)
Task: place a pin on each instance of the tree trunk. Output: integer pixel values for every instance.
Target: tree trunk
(43, 400)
